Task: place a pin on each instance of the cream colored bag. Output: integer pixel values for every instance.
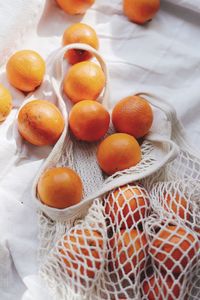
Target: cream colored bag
(84, 255)
(157, 148)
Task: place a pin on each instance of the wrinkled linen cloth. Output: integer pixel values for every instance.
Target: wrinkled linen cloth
(162, 57)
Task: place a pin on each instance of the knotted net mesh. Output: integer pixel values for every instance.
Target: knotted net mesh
(137, 233)
(138, 241)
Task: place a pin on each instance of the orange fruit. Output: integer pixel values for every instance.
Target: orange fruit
(197, 231)
(151, 289)
(5, 103)
(173, 248)
(75, 7)
(140, 11)
(84, 80)
(132, 115)
(161, 288)
(60, 187)
(177, 204)
(118, 152)
(89, 120)
(40, 122)
(82, 253)
(25, 70)
(130, 252)
(80, 33)
(127, 205)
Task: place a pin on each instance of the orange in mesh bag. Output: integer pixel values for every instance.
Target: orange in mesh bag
(178, 200)
(129, 252)
(177, 204)
(82, 246)
(161, 287)
(78, 258)
(175, 251)
(127, 245)
(127, 205)
(174, 248)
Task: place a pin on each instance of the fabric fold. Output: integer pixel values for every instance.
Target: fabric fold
(18, 20)
(161, 57)
(188, 4)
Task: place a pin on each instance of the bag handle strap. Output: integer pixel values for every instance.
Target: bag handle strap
(178, 132)
(59, 70)
(163, 105)
(173, 147)
(56, 77)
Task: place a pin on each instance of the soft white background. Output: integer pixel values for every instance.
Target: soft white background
(162, 57)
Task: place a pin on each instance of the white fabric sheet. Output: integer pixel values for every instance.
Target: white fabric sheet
(162, 57)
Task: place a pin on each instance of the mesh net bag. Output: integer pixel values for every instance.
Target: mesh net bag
(77, 260)
(157, 149)
(135, 235)
(174, 254)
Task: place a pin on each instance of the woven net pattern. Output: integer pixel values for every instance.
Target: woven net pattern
(139, 241)
(140, 238)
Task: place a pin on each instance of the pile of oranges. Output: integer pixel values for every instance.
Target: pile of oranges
(89, 122)
(157, 263)
(172, 250)
(26, 68)
(41, 123)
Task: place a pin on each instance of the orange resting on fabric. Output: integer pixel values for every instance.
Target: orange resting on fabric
(84, 80)
(25, 70)
(75, 7)
(40, 122)
(5, 103)
(140, 11)
(133, 115)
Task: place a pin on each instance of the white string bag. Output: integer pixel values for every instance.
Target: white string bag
(174, 254)
(110, 263)
(172, 269)
(175, 194)
(77, 261)
(157, 149)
